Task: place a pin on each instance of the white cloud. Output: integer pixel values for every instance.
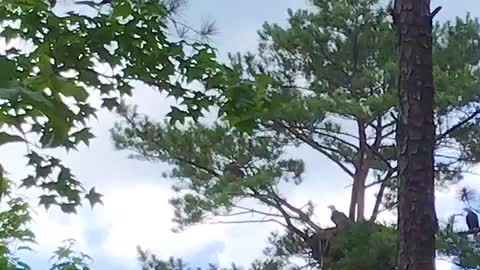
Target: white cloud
(443, 265)
(52, 228)
(139, 214)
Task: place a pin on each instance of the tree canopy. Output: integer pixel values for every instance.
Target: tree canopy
(54, 66)
(328, 81)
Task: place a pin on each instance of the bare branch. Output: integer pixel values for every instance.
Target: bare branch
(339, 133)
(317, 147)
(254, 211)
(249, 221)
(304, 217)
(435, 11)
(379, 198)
(457, 126)
(474, 231)
(336, 138)
(277, 205)
(374, 183)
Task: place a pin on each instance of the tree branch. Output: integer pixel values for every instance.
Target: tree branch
(279, 207)
(140, 134)
(254, 211)
(457, 126)
(337, 139)
(304, 217)
(249, 221)
(435, 11)
(474, 231)
(379, 198)
(316, 146)
(339, 133)
(376, 153)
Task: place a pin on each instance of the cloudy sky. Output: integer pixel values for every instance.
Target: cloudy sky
(136, 211)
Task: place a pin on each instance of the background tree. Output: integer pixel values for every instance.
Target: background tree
(318, 43)
(327, 80)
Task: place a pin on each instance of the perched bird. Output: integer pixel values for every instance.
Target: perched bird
(234, 169)
(472, 221)
(339, 218)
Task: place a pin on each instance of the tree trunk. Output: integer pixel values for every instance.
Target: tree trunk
(362, 169)
(415, 135)
(353, 200)
(357, 200)
(361, 192)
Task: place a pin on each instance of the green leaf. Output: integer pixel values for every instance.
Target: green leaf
(83, 135)
(34, 158)
(69, 208)
(8, 138)
(123, 9)
(7, 71)
(43, 171)
(93, 197)
(177, 115)
(110, 103)
(48, 200)
(70, 89)
(29, 182)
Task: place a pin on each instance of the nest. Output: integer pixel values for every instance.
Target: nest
(319, 244)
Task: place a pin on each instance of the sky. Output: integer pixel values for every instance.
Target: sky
(136, 209)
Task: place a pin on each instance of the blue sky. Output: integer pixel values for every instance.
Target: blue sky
(136, 210)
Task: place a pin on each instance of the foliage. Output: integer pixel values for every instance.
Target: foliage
(346, 250)
(334, 89)
(326, 81)
(46, 88)
(365, 240)
(217, 167)
(332, 67)
(458, 248)
(15, 234)
(66, 258)
(348, 115)
(53, 67)
(150, 261)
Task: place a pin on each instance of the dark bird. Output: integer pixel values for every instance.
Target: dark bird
(339, 218)
(472, 220)
(234, 169)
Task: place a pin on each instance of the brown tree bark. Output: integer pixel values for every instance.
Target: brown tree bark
(357, 201)
(415, 135)
(353, 199)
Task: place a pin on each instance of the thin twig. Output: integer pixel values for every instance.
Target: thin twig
(316, 146)
(248, 221)
(435, 11)
(254, 211)
(379, 198)
(457, 126)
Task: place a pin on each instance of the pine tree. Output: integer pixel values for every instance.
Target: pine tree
(327, 81)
